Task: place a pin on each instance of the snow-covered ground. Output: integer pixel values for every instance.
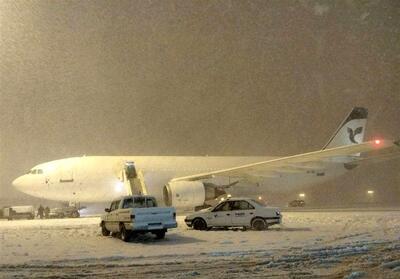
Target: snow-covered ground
(364, 244)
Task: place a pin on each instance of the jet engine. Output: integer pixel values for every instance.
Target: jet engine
(190, 193)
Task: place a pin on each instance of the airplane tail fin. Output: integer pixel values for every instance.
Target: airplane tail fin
(351, 130)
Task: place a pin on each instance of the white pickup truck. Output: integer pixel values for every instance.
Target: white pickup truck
(132, 215)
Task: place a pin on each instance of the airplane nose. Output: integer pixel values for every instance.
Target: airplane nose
(17, 183)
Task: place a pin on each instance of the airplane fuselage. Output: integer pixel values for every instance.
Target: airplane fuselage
(100, 178)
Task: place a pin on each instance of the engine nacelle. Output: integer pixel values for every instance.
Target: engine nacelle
(184, 194)
(190, 193)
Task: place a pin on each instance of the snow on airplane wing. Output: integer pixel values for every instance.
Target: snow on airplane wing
(296, 163)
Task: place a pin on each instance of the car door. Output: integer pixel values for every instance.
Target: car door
(242, 213)
(221, 215)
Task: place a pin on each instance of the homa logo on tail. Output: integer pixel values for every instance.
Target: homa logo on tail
(353, 133)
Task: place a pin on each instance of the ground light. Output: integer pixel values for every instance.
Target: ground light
(302, 195)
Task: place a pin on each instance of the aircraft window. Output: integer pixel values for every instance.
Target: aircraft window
(39, 171)
(128, 203)
(33, 171)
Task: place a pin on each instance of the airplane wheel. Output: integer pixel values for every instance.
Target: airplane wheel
(104, 231)
(199, 224)
(258, 224)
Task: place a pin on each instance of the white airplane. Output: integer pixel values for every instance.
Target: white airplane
(194, 181)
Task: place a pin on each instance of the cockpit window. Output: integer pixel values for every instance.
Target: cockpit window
(36, 171)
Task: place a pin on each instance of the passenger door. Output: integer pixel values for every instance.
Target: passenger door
(242, 213)
(113, 216)
(221, 215)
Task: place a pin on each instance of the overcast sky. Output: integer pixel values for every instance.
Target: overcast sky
(195, 78)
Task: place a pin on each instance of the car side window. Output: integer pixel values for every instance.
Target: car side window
(244, 205)
(241, 205)
(223, 207)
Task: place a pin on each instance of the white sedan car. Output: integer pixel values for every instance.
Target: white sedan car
(235, 212)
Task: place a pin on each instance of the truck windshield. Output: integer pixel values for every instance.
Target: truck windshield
(128, 203)
(140, 202)
(151, 202)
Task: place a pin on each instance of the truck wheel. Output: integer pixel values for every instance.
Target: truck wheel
(124, 233)
(160, 234)
(75, 214)
(258, 224)
(104, 230)
(199, 224)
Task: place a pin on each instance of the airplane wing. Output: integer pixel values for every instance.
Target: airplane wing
(297, 163)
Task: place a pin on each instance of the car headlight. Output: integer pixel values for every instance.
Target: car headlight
(277, 213)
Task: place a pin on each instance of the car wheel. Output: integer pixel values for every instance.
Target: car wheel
(104, 231)
(160, 234)
(124, 233)
(199, 224)
(258, 224)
